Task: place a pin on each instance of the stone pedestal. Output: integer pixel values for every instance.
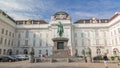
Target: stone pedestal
(60, 48)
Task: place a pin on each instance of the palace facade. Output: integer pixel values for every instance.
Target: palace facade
(92, 35)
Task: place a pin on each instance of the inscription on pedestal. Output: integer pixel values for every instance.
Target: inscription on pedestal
(60, 45)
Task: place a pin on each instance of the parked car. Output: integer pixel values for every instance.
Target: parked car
(14, 57)
(7, 59)
(21, 57)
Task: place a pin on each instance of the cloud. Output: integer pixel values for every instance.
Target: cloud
(22, 9)
(44, 9)
(85, 14)
(13, 4)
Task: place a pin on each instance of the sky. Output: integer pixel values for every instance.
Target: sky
(44, 9)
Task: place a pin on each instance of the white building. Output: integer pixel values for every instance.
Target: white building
(7, 33)
(96, 35)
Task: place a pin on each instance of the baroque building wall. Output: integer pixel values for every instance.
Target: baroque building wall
(97, 35)
(7, 34)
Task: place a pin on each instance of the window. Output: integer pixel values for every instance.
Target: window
(34, 36)
(19, 35)
(114, 32)
(116, 41)
(9, 33)
(75, 34)
(26, 42)
(119, 38)
(88, 42)
(96, 33)
(76, 43)
(39, 51)
(9, 42)
(113, 42)
(111, 34)
(13, 35)
(104, 34)
(40, 42)
(27, 34)
(46, 35)
(5, 41)
(2, 31)
(82, 42)
(46, 43)
(1, 40)
(107, 51)
(12, 43)
(82, 34)
(33, 42)
(18, 43)
(88, 34)
(0, 51)
(6, 32)
(105, 41)
(17, 52)
(118, 30)
(97, 41)
(46, 52)
(4, 51)
(40, 35)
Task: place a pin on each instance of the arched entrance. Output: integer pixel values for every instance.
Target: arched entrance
(25, 51)
(9, 51)
(88, 51)
(17, 52)
(76, 52)
(98, 51)
(88, 54)
(115, 52)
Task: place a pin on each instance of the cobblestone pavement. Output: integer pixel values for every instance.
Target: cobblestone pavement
(26, 64)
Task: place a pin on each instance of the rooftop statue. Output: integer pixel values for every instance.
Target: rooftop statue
(60, 29)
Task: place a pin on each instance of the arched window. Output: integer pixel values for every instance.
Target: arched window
(98, 51)
(115, 52)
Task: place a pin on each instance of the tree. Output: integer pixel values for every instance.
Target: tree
(76, 53)
(83, 52)
(31, 53)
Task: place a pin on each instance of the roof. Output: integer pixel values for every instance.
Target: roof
(31, 22)
(61, 13)
(114, 16)
(1, 11)
(92, 21)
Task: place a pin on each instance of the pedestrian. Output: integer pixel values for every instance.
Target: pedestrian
(86, 59)
(105, 58)
(41, 57)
